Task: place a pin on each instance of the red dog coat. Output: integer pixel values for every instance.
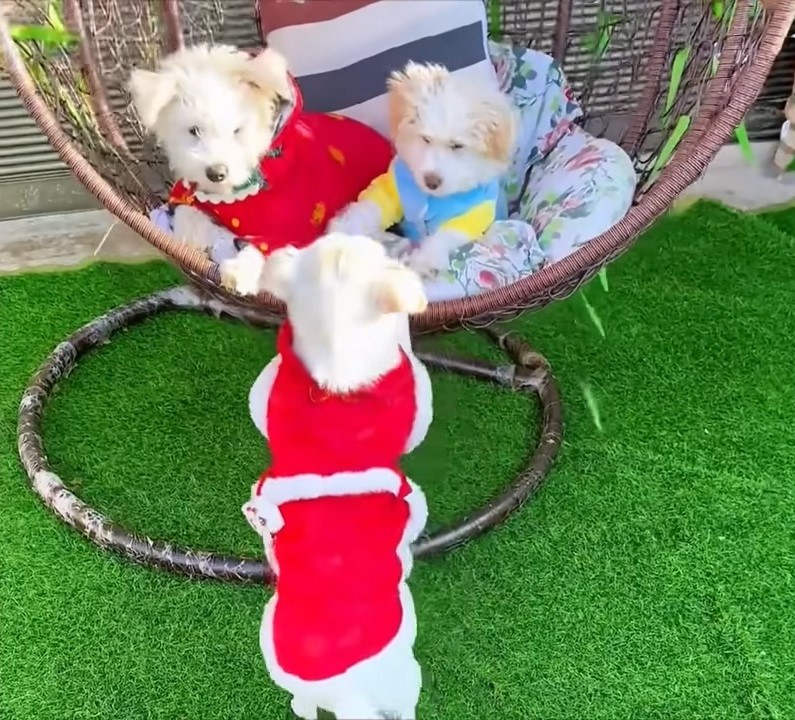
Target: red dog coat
(317, 164)
(335, 504)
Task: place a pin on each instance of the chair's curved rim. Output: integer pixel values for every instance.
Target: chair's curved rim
(526, 373)
(537, 289)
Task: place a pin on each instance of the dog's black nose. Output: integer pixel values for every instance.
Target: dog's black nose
(216, 173)
(431, 180)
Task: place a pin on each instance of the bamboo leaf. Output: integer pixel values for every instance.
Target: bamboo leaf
(55, 16)
(47, 36)
(682, 124)
(593, 405)
(597, 42)
(603, 279)
(728, 17)
(607, 20)
(494, 18)
(741, 133)
(677, 72)
(595, 319)
(604, 42)
(718, 8)
(590, 42)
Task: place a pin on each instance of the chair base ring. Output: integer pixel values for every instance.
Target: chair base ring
(527, 373)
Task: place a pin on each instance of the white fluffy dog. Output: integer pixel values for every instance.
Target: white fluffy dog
(214, 110)
(340, 403)
(454, 138)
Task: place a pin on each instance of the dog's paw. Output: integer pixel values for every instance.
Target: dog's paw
(396, 246)
(428, 261)
(339, 224)
(358, 218)
(229, 271)
(195, 229)
(347, 226)
(241, 274)
(199, 245)
(303, 708)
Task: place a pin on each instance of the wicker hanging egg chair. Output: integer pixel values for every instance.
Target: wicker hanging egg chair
(668, 80)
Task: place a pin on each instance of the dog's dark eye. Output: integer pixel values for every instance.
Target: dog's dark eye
(194, 131)
(426, 140)
(237, 130)
(456, 146)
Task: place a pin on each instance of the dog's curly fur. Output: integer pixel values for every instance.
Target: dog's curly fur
(348, 305)
(211, 106)
(446, 125)
(459, 132)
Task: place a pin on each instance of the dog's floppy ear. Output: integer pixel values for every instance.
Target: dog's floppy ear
(151, 92)
(400, 102)
(267, 71)
(498, 126)
(400, 107)
(277, 275)
(399, 290)
(406, 87)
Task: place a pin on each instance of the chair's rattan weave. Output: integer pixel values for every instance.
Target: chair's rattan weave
(640, 66)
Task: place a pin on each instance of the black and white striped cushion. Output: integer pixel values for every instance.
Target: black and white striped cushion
(343, 51)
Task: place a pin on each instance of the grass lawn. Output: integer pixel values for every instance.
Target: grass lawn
(651, 577)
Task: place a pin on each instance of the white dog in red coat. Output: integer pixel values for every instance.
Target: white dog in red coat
(340, 403)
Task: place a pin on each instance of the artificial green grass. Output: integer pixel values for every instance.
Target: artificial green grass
(781, 218)
(652, 577)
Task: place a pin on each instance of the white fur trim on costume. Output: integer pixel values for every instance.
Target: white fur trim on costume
(418, 513)
(260, 393)
(423, 394)
(277, 490)
(418, 517)
(388, 683)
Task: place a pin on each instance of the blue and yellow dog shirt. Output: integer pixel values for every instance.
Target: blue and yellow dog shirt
(402, 201)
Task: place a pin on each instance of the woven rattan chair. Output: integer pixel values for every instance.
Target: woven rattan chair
(669, 80)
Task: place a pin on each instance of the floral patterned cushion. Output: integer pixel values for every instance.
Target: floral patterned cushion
(546, 104)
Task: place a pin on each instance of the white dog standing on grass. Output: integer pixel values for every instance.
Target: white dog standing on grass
(342, 401)
(454, 139)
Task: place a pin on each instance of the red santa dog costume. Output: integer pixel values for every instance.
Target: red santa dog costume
(317, 164)
(338, 517)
